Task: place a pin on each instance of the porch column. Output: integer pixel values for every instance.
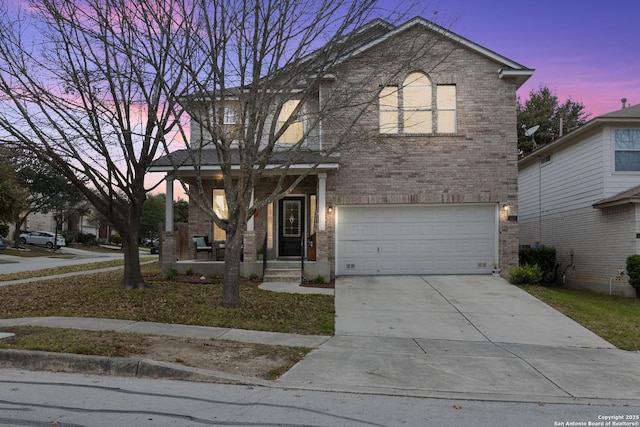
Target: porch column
(322, 201)
(168, 204)
(251, 222)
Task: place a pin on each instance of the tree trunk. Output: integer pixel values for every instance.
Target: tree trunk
(16, 233)
(132, 278)
(232, 254)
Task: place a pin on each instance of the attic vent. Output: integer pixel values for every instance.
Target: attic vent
(545, 159)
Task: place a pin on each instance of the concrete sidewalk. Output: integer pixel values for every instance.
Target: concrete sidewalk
(190, 331)
(474, 337)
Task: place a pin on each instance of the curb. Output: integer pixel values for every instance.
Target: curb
(118, 366)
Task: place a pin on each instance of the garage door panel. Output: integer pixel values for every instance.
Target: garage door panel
(459, 239)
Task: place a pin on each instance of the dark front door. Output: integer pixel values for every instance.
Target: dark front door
(291, 226)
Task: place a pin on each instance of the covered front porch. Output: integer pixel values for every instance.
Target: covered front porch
(289, 233)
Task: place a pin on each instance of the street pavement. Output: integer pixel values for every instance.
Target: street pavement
(464, 337)
(10, 263)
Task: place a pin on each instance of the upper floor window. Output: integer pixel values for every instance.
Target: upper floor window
(416, 104)
(446, 102)
(229, 116)
(627, 149)
(389, 109)
(295, 131)
(413, 109)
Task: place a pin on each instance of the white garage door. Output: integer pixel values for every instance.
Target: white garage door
(416, 239)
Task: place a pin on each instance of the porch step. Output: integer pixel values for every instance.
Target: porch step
(282, 275)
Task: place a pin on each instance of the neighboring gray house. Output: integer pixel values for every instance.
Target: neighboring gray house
(580, 194)
(437, 192)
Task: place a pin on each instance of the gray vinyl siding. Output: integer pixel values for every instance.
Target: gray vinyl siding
(528, 195)
(572, 179)
(615, 182)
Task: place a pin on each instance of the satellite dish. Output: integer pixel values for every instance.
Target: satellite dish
(530, 132)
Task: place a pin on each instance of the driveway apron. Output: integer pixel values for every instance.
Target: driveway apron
(464, 337)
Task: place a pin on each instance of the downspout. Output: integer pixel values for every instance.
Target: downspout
(567, 267)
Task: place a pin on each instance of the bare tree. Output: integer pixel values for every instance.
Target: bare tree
(90, 87)
(99, 88)
(258, 75)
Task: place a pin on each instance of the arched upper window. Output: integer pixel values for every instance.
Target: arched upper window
(416, 104)
(414, 108)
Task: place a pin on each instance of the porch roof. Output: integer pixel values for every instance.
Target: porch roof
(208, 159)
(629, 196)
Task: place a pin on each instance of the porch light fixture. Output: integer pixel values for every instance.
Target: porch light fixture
(329, 208)
(505, 207)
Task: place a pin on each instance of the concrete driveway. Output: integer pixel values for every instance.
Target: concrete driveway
(462, 308)
(472, 337)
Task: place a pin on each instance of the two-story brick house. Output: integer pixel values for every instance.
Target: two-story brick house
(430, 189)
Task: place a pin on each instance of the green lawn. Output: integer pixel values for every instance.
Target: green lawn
(614, 318)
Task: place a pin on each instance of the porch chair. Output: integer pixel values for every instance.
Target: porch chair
(202, 245)
(219, 246)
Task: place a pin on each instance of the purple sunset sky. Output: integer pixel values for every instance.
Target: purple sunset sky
(589, 51)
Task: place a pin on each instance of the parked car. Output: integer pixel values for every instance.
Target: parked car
(150, 242)
(42, 238)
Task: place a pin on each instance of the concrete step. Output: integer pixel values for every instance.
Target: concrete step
(284, 275)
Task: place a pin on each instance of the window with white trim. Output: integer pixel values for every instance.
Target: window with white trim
(446, 103)
(414, 108)
(229, 117)
(416, 104)
(222, 211)
(627, 150)
(389, 109)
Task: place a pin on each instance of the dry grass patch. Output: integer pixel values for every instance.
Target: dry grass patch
(253, 360)
(177, 301)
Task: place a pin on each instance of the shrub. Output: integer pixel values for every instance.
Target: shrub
(88, 239)
(171, 274)
(525, 275)
(189, 272)
(68, 235)
(544, 257)
(116, 239)
(253, 276)
(633, 269)
(319, 279)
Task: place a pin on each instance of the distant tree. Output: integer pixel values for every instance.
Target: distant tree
(181, 210)
(44, 189)
(12, 196)
(543, 109)
(153, 213)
